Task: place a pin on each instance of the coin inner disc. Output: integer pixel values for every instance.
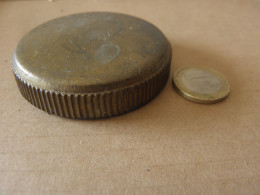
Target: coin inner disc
(201, 81)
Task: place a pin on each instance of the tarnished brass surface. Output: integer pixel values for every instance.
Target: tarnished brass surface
(201, 85)
(92, 65)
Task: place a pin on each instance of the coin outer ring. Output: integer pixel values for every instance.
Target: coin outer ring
(197, 97)
(95, 105)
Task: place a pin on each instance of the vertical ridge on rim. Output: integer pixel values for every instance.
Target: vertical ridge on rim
(69, 106)
(55, 108)
(31, 94)
(108, 104)
(130, 98)
(120, 102)
(148, 93)
(26, 95)
(126, 100)
(96, 105)
(102, 105)
(57, 104)
(47, 102)
(114, 103)
(38, 98)
(49, 96)
(75, 106)
(20, 87)
(86, 100)
(90, 106)
(65, 107)
(135, 102)
(82, 106)
(143, 93)
(139, 97)
(152, 88)
(42, 100)
(23, 89)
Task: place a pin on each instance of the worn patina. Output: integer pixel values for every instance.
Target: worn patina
(91, 54)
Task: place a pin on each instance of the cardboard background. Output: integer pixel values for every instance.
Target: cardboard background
(169, 145)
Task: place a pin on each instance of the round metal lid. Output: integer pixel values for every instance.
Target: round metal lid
(81, 66)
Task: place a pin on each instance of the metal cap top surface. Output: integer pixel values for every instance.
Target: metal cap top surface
(90, 52)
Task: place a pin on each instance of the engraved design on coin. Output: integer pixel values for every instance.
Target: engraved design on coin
(201, 81)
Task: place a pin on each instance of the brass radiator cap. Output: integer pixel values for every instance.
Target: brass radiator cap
(92, 65)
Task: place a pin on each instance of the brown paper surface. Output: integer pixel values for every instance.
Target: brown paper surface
(169, 146)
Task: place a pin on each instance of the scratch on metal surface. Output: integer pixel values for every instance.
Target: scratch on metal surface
(108, 34)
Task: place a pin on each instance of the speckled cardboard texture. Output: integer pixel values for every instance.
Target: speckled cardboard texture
(169, 146)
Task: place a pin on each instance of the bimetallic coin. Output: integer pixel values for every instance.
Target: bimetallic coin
(201, 85)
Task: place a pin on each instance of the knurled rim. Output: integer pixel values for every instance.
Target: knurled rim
(94, 105)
